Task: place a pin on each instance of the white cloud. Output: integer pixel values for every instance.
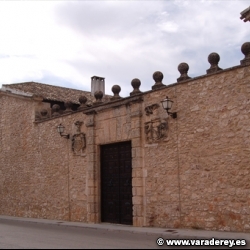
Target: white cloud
(168, 27)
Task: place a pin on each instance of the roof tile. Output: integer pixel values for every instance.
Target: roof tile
(50, 92)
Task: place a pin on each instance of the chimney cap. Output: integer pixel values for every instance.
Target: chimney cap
(97, 77)
(245, 11)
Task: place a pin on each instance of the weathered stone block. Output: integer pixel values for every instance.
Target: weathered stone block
(137, 200)
(138, 221)
(137, 182)
(136, 142)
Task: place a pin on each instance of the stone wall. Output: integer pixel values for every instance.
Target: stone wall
(199, 175)
(40, 176)
(192, 171)
(214, 139)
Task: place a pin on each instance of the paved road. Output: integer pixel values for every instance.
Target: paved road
(17, 234)
(24, 235)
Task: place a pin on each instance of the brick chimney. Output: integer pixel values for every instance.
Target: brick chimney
(97, 83)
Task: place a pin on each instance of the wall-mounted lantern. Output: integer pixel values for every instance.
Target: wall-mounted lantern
(60, 130)
(167, 105)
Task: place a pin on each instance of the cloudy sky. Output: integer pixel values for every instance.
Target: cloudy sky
(64, 43)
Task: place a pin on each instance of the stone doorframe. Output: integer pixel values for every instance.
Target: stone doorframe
(93, 170)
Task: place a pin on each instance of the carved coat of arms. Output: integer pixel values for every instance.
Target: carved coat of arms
(156, 128)
(78, 140)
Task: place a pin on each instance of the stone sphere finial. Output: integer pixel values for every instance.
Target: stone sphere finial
(55, 110)
(98, 96)
(83, 99)
(245, 49)
(116, 89)
(158, 76)
(68, 105)
(213, 59)
(183, 69)
(136, 83)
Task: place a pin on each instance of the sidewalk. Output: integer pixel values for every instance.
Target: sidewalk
(159, 232)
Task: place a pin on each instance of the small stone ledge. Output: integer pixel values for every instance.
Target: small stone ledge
(90, 112)
(81, 155)
(151, 145)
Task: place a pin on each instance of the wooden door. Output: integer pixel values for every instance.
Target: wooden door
(116, 183)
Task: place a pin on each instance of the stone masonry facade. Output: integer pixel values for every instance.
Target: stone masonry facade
(189, 172)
